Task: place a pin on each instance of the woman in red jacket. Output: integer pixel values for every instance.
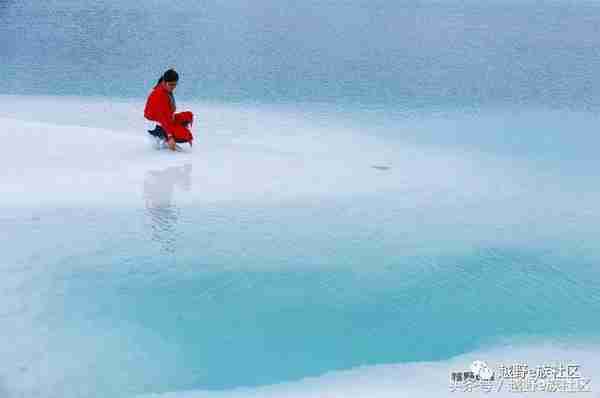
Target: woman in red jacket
(160, 108)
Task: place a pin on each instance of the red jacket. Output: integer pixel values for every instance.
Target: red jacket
(161, 109)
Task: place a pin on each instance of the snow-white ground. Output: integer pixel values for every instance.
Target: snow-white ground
(73, 150)
(432, 379)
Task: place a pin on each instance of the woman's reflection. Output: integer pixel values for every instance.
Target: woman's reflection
(159, 186)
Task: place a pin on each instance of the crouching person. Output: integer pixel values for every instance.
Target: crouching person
(160, 107)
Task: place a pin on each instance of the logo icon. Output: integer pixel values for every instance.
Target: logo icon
(481, 370)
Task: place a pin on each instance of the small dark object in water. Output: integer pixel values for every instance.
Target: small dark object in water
(381, 167)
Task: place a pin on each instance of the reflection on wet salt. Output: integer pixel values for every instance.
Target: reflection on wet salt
(159, 187)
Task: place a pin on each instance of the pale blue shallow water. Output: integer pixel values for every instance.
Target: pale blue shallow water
(412, 53)
(155, 298)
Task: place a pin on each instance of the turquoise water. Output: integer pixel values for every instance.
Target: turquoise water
(444, 199)
(239, 294)
(242, 303)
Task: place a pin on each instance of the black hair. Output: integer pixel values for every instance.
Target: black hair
(169, 76)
